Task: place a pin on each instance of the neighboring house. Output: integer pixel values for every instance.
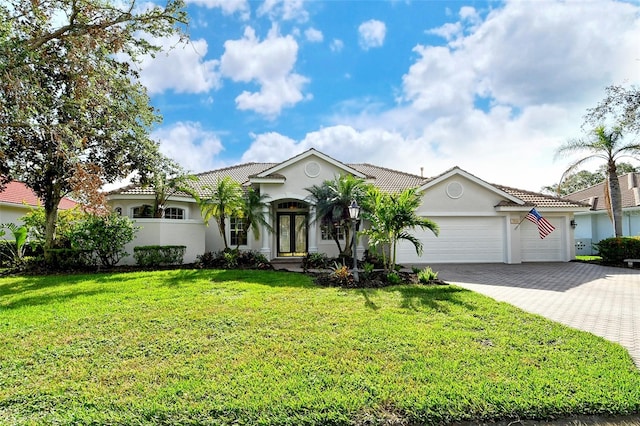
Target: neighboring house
(17, 199)
(479, 222)
(595, 224)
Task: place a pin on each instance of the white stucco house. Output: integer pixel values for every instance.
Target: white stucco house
(479, 221)
(594, 224)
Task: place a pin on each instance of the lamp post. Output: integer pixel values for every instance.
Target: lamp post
(354, 214)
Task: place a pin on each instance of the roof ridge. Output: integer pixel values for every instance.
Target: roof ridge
(237, 166)
(355, 165)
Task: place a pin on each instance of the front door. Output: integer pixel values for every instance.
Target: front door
(292, 234)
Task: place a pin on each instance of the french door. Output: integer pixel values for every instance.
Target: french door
(292, 234)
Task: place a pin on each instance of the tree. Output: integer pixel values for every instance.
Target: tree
(608, 145)
(225, 200)
(584, 179)
(332, 200)
(390, 217)
(70, 101)
(252, 212)
(167, 178)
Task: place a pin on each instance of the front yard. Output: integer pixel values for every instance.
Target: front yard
(263, 347)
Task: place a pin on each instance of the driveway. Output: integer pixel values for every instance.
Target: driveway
(599, 299)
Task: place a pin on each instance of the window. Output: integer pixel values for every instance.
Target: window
(238, 236)
(118, 211)
(174, 213)
(326, 232)
(291, 205)
(143, 211)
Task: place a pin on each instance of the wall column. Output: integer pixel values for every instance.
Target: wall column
(312, 230)
(266, 235)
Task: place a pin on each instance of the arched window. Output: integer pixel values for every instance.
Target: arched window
(143, 211)
(174, 213)
(118, 210)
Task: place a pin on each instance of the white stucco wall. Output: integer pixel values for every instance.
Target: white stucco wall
(166, 232)
(11, 213)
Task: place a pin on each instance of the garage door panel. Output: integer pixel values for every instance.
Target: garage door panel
(464, 239)
(536, 249)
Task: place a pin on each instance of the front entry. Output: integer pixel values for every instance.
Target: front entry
(292, 234)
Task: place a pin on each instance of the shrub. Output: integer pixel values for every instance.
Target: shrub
(341, 276)
(315, 261)
(427, 275)
(393, 278)
(103, 236)
(158, 255)
(615, 250)
(65, 259)
(233, 259)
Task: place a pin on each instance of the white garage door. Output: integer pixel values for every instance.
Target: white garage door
(461, 240)
(549, 249)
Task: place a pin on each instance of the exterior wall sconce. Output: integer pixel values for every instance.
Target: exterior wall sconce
(573, 223)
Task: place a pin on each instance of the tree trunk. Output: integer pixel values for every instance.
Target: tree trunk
(616, 198)
(51, 220)
(223, 231)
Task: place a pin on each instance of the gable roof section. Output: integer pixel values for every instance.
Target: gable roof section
(269, 172)
(458, 171)
(20, 194)
(594, 195)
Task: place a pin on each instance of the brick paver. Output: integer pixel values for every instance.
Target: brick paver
(599, 299)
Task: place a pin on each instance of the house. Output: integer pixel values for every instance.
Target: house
(17, 199)
(595, 224)
(479, 221)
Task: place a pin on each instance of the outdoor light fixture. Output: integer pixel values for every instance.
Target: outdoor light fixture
(354, 214)
(573, 223)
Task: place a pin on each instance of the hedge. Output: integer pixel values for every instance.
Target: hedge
(615, 250)
(158, 255)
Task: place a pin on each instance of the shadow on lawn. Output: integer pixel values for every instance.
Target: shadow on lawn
(417, 297)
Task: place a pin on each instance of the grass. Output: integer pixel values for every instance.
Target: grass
(587, 258)
(249, 347)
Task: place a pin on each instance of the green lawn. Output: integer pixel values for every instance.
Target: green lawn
(218, 347)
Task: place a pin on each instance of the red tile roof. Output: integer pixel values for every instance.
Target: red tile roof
(18, 193)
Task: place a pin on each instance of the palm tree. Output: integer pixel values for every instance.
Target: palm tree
(390, 217)
(252, 213)
(332, 200)
(225, 200)
(606, 145)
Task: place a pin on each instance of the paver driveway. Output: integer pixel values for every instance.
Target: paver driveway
(600, 299)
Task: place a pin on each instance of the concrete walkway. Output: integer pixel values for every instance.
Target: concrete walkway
(599, 299)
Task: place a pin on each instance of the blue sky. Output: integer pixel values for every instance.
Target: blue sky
(490, 86)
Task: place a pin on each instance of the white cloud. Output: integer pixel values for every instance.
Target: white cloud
(313, 35)
(268, 63)
(228, 7)
(179, 67)
(271, 147)
(336, 45)
(497, 100)
(371, 34)
(287, 10)
(194, 148)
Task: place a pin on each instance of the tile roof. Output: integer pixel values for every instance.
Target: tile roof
(535, 199)
(388, 180)
(18, 193)
(594, 195)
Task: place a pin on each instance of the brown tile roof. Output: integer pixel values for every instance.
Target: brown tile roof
(535, 199)
(594, 195)
(388, 180)
(18, 193)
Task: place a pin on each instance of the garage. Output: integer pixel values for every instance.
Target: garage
(461, 239)
(549, 249)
